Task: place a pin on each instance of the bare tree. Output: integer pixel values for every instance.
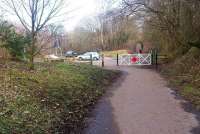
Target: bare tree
(176, 22)
(105, 6)
(34, 16)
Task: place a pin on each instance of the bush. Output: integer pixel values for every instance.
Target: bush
(15, 43)
(184, 73)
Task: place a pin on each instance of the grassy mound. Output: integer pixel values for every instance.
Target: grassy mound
(184, 73)
(55, 98)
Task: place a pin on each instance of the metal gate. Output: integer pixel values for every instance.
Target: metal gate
(135, 59)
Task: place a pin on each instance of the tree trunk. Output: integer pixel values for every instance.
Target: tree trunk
(32, 53)
(31, 67)
(102, 40)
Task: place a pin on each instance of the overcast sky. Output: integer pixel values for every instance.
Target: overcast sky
(85, 8)
(79, 9)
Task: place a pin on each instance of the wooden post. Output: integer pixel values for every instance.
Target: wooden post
(117, 59)
(156, 58)
(102, 60)
(91, 60)
(151, 51)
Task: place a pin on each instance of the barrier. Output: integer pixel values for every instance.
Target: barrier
(135, 59)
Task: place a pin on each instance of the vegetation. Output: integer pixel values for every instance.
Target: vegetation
(106, 32)
(34, 16)
(175, 22)
(184, 74)
(54, 98)
(15, 43)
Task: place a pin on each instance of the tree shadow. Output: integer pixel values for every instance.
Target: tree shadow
(102, 120)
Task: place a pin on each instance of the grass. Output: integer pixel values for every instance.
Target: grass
(114, 53)
(184, 74)
(55, 98)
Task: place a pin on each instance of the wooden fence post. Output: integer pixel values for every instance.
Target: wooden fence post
(156, 58)
(102, 60)
(151, 51)
(91, 60)
(117, 59)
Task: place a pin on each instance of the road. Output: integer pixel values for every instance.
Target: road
(141, 103)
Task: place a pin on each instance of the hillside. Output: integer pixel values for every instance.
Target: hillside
(54, 98)
(184, 73)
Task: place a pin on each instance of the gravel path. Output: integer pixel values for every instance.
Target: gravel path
(141, 103)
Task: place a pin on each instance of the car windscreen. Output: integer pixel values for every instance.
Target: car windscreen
(69, 52)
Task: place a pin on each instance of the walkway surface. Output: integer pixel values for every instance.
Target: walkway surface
(141, 103)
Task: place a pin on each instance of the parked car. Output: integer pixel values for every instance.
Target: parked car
(71, 54)
(87, 56)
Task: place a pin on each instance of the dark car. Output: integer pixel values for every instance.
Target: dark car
(71, 54)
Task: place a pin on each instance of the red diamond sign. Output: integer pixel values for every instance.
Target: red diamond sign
(134, 59)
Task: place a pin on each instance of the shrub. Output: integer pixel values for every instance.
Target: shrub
(15, 43)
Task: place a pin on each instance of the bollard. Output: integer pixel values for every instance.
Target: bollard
(117, 59)
(156, 58)
(91, 60)
(153, 56)
(102, 60)
(151, 51)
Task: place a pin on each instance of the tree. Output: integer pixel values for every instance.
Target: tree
(12, 41)
(175, 22)
(16, 45)
(5, 29)
(105, 6)
(57, 34)
(34, 16)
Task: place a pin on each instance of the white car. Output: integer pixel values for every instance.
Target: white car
(88, 55)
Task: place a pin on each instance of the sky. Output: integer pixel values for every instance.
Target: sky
(83, 9)
(79, 9)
